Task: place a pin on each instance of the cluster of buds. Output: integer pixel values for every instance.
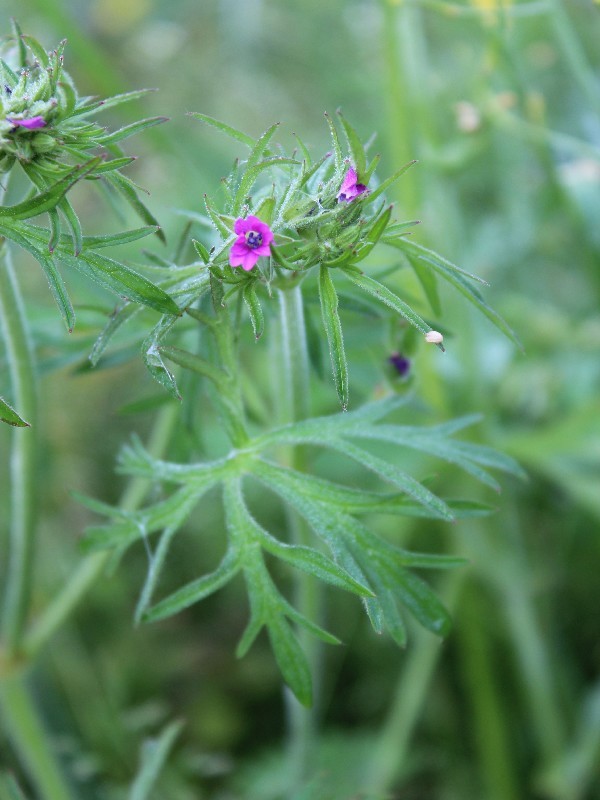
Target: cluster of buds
(36, 95)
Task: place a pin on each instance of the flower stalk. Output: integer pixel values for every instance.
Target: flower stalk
(23, 492)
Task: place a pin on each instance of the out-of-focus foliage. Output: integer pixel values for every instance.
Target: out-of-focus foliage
(501, 108)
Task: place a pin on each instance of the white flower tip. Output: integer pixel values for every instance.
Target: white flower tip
(434, 337)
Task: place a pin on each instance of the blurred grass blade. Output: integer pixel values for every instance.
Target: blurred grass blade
(153, 757)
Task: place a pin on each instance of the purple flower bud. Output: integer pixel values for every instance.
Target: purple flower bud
(31, 124)
(400, 363)
(253, 241)
(350, 188)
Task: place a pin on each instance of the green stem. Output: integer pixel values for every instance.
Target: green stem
(294, 377)
(23, 457)
(294, 356)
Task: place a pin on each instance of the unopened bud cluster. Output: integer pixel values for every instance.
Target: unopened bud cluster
(34, 97)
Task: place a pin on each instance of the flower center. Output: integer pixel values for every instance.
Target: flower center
(254, 239)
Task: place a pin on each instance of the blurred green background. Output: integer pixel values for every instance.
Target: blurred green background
(501, 106)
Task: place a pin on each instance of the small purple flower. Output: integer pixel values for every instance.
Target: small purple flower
(253, 241)
(31, 124)
(350, 187)
(400, 363)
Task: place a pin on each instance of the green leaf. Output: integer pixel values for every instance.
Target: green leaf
(130, 130)
(429, 286)
(111, 102)
(457, 280)
(226, 129)
(113, 164)
(115, 239)
(225, 231)
(314, 563)
(423, 603)
(73, 220)
(196, 364)
(368, 198)
(10, 416)
(153, 359)
(251, 174)
(128, 190)
(18, 37)
(387, 297)
(153, 757)
(36, 48)
(333, 329)
(376, 231)
(196, 590)
(337, 150)
(355, 146)
(253, 159)
(122, 280)
(48, 199)
(394, 475)
(291, 659)
(254, 310)
(201, 250)
(55, 281)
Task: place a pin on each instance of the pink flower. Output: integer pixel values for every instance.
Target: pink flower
(350, 188)
(253, 241)
(31, 124)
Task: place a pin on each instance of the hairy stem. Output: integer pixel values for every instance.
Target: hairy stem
(23, 457)
(294, 379)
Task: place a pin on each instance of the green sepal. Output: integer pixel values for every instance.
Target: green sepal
(355, 146)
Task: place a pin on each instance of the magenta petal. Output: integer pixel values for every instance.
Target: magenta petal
(250, 260)
(349, 181)
(263, 250)
(241, 226)
(31, 124)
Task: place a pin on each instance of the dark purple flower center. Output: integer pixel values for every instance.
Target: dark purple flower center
(254, 239)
